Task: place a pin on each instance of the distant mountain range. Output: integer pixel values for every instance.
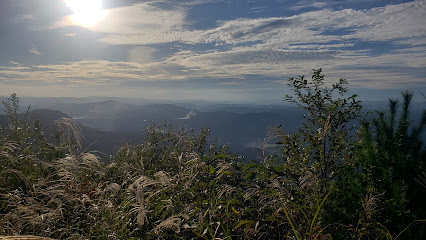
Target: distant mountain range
(105, 143)
(240, 131)
(111, 123)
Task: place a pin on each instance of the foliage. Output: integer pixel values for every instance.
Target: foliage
(19, 145)
(326, 133)
(324, 184)
(383, 187)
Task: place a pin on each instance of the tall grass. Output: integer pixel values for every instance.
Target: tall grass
(177, 186)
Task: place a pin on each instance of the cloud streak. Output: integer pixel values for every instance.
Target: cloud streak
(34, 50)
(147, 24)
(380, 47)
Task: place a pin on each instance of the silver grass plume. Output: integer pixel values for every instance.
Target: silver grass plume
(172, 223)
(308, 181)
(372, 205)
(225, 190)
(70, 134)
(223, 168)
(138, 189)
(6, 149)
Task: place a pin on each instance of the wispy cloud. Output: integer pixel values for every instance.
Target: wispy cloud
(195, 2)
(233, 54)
(144, 24)
(91, 73)
(147, 23)
(392, 22)
(309, 4)
(71, 34)
(239, 66)
(34, 50)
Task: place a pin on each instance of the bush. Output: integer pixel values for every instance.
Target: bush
(326, 183)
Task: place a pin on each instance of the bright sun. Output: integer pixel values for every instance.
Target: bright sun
(86, 13)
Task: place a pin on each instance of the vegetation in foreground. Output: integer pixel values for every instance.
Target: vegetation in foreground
(331, 180)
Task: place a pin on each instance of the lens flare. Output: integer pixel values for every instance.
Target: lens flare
(86, 13)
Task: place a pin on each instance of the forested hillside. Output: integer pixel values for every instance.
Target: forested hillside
(339, 175)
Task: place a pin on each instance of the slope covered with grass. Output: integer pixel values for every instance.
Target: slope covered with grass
(329, 180)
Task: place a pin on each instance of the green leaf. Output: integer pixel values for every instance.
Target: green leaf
(249, 175)
(211, 170)
(234, 210)
(220, 156)
(244, 222)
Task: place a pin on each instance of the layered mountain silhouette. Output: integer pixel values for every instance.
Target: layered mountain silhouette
(105, 143)
(109, 124)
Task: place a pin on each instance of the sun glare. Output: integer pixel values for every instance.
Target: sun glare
(86, 13)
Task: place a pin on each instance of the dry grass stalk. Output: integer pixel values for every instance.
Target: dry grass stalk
(308, 181)
(70, 134)
(421, 179)
(225, 190)
(163, 178)
(372, 204)
(223, 168)
(252, 192)
(327, 125)
(24, 238)
(263, 145)
(275, 132)
(172, 223)
(113, 188)
(192, 169)
(7, 148)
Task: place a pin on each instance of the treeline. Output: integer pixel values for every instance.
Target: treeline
(340, 176)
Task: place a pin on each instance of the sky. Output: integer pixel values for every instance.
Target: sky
(214, 50)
